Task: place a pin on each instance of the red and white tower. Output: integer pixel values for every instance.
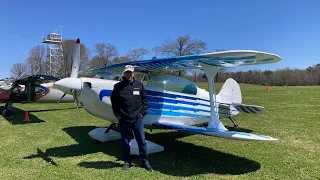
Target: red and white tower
(54, 51)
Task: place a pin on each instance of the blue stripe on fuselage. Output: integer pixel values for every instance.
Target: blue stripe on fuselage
(161, 112)
(157, 102)
(104, 92)
(163, 94)
(173, 107)
(164, 100)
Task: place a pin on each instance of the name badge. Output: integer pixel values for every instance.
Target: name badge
(136, 93)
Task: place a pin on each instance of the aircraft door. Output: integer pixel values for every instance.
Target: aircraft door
(31, 91)
(18, 93)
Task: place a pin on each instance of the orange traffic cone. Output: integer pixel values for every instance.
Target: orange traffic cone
(26, 116)
(267, 88)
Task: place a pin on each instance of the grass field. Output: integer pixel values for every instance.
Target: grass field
(56, 145)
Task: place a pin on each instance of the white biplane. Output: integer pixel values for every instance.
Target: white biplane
(174, 102)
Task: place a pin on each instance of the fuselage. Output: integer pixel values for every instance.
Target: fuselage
(39, 94)
(187, 105)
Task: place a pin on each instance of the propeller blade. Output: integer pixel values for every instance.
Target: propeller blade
(62, 97)
(75, 97)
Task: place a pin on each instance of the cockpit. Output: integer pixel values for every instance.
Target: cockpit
(174, 83)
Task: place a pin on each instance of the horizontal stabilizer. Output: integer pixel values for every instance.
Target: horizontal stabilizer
(251, 109)
(214, 132)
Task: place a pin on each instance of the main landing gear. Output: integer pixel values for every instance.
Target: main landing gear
(107, 134)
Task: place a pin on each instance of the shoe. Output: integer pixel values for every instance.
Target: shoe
(125, 166)
(148, 166)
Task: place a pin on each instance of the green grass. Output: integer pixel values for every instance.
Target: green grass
(55, 144)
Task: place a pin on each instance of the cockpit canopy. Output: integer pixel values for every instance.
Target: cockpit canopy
(174, 83)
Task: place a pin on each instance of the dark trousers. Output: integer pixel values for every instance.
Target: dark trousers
(126, 129)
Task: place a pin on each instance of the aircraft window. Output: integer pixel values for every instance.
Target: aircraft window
(39, 90)
(175, 84)
(19, 89)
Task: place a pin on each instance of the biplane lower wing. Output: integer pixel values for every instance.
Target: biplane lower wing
(214, 132)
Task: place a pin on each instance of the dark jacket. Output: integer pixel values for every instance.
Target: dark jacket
(129, 100)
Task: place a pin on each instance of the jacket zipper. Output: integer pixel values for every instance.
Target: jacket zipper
(131, 88)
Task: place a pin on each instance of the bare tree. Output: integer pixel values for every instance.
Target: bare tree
(137, 54)
(120, 59)
(96, 62)
(18, 70)
(36, 59)
(105, 52)
(84, 59)
(66, 64)
(181, 46)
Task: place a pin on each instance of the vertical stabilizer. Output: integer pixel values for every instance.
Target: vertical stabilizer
(230, 92)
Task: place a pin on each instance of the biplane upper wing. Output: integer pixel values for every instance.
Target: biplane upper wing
(223, 59)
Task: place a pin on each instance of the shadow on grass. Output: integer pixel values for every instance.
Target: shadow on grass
(16, 116)
(100, 164)
(178, 159)
(43, 155)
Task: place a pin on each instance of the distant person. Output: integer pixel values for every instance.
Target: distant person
(129, 103)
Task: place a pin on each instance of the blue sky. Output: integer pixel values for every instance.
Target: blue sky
(290, 29)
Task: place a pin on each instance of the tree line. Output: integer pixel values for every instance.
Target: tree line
(280, 77)
(104, 54)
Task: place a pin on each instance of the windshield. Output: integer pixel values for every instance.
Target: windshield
(174, 83)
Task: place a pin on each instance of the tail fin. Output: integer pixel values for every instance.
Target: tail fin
(230, 92)
(230, 101)
(76, 60)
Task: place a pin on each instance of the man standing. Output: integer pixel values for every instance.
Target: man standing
(130, 103)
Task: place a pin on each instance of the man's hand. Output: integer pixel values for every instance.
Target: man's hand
(119, 117)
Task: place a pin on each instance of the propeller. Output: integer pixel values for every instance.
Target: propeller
(75, 97)
(62, 97)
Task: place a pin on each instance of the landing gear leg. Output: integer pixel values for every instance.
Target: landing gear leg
(235, 125)
(110, 127)
(7, 109)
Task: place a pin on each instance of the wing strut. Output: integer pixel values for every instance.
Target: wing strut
(214, 122)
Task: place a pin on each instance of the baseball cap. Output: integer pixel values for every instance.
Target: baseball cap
(129, 68)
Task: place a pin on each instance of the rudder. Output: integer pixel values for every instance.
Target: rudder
(230, 92)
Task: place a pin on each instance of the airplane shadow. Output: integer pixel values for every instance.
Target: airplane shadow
(17, 117)
(44, 156)
(178, 159)
(100, 164)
